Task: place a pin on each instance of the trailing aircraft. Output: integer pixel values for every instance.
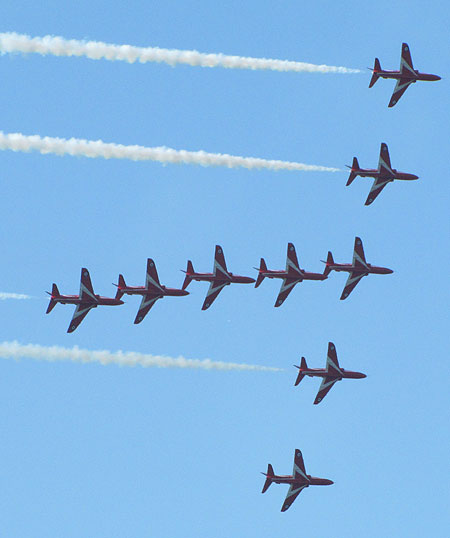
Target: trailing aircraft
(219, 278)
(151, 292)
(84, 302)
(405, 76)
(383, 175)
(291, 276)
(357, 269)
(330, 374)
(298, 481)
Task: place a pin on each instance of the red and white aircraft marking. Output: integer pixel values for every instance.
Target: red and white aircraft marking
(84, 302)
(330, 374)
(298, 481)
(291, 276)
(405, 76)
(357, 269)
(383, 175)
(151, 292)
(219, 278)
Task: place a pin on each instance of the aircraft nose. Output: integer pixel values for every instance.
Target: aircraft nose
(185, 292)
(120, 301)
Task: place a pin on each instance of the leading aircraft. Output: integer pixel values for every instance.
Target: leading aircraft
(298, 481)
(84, 302)
(330, 374)
(291, 276)
(357, 269)
(405, 76)
(219, 278)
(383, 175)
(151, 292)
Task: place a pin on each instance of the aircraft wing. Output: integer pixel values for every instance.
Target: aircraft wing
(406, 64)
(377, 187)
(384, 161)
(220, 267)
(327, 383)
(147, 302)
(81, 311)
(359, 258)
(86, 290)
(292, 266)
(399, 90)
(286, 288)
(214, 289)
(151, 277)
(332, 360)
(299, 470)
(292, 494)
(353, 279)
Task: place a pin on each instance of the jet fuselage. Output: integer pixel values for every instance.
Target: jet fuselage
(374, 173)
(75, 299)
(322, 372)
(220, 277)
(289, 276)
(142, 290)
(371, 269)
(385, 73)
(289, 479)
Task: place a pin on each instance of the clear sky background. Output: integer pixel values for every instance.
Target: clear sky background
(104, 451)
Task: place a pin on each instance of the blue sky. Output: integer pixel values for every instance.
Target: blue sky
(90, 450)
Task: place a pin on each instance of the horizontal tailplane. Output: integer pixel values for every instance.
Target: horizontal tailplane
(376, 69)
(262, 268)
(269, 475)
(189, 271)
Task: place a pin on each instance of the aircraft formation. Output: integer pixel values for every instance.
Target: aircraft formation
(293, 274)
(218, 279)
(359, 268)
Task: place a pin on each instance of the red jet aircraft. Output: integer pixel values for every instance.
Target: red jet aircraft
(383, 175)
(405, 76)
(298, 480)
(86, 300)
(357, 269)
(291, 276)
(330, 374)
(220, 278)
(151, 292)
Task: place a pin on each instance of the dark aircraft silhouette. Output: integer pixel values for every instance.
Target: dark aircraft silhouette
(151, 292)
(330, 374)
(383, 175)
(357, 269)
(84, 302)
(405, 76)
(291, 276)
(219, 278)
(298, 481)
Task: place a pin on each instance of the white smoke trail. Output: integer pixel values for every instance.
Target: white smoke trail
(14, 350)
(98, 148)
(4, 296)
(95, 50)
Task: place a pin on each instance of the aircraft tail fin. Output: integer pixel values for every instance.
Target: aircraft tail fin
(353, 171)
(262, 268)
(303, 366)
(121, 284)
(53, 296)
(189, 272)
(269, 476)
(376, 69)
(328, 264)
